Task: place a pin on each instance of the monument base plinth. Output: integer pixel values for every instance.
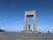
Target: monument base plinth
(29, 31)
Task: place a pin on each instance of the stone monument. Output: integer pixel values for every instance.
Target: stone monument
(30, 14)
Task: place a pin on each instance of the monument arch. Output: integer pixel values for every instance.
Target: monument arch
(30, 14)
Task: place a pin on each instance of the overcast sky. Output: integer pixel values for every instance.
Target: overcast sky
(12, 14)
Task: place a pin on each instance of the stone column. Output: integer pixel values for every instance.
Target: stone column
(34, 23)
(25, 23)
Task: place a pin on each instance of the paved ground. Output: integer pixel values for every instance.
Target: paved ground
(25, 36)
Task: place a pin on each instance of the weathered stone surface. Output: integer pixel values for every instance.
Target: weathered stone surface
(25, 36)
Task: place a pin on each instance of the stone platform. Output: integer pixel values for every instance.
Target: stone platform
(25, 36)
